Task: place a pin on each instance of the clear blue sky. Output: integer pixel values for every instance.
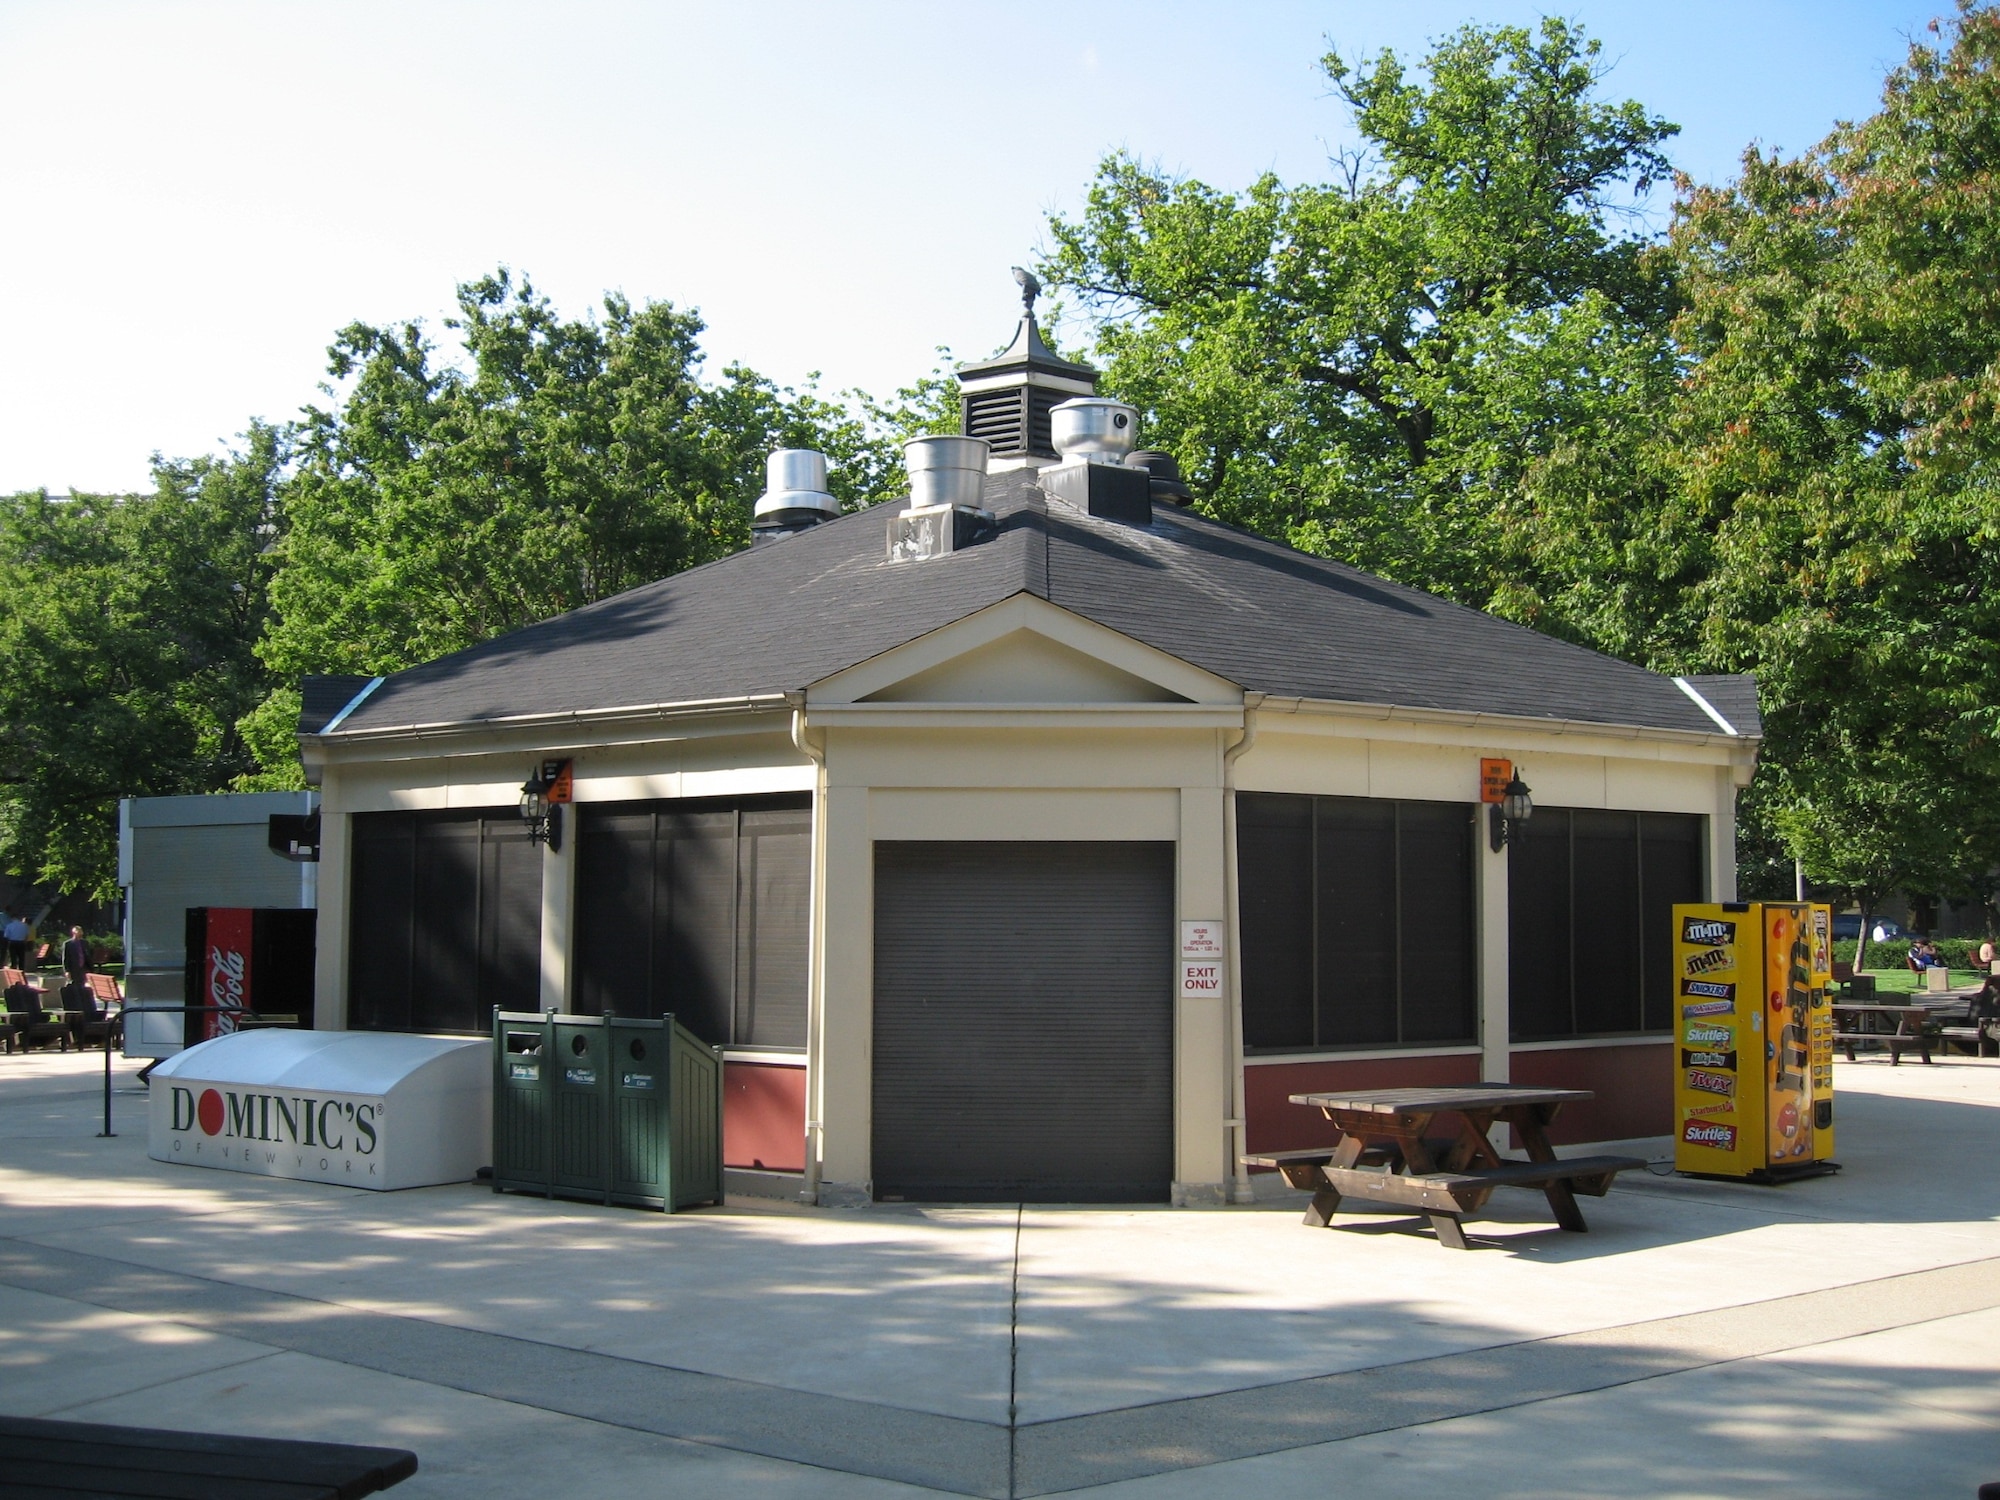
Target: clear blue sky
(197, 195)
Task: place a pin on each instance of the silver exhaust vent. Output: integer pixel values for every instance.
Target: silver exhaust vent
(946, 470)
(1095, 436)
(795, 494)
(1094, 427)
(947, 486)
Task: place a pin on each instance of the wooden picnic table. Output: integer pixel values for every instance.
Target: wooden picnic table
(1428, 1149)
(40, 1457)
(1850, 1025)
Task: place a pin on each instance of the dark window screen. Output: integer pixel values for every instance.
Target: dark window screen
(1590, 896)
(381, 921)
(1605, 932)
(1439, 928)
(1357, 922)
(1671, 860)
(694, 922)
(445, 920)
(699, 911)
(1356, 851)
(1274, 850)
(1538, 933)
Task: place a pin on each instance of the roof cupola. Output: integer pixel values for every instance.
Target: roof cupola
(1007, 399)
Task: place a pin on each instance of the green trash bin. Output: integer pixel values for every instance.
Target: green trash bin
(606, 1108)
(521, 1049)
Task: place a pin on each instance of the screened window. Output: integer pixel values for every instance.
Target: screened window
(445, 920)
(1590, 898)
(696, 910)
(1358, 922)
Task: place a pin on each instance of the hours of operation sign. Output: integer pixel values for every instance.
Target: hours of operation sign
(1202, 958)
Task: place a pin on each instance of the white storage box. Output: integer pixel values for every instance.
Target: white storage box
(369, 1109)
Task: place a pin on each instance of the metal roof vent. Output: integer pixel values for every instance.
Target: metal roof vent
(795, 494)
(1166, 482)
(1095, 435)
(947, 483)
(1007, 399)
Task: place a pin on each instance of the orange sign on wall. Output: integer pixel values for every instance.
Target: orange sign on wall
(560, 783)
(1493, 778)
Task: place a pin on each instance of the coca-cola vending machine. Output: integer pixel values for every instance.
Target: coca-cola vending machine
(247, 960)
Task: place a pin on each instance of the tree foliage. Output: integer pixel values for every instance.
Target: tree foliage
(1374, 367)
(437, 504)
(1832, 457)
(128, 625)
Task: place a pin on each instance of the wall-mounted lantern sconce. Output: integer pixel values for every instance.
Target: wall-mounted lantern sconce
(542, 797)
(1513, 809)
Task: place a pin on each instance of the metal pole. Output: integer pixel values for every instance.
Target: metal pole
(107, 1132)
(179, 1010)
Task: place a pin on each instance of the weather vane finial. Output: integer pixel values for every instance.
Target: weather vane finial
(1030, 289)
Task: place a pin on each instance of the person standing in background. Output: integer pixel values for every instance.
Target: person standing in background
(16, 935)
(76, 960)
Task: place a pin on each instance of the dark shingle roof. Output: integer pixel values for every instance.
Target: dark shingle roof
(780, 617)
(1734, 696)
(320, 698)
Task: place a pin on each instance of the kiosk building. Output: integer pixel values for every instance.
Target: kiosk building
(1036, 841)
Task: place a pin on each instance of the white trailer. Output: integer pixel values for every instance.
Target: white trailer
(180, 852)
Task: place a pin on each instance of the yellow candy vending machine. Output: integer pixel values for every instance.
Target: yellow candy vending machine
(1753, 1081)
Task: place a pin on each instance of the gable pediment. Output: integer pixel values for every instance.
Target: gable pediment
(1025, 651)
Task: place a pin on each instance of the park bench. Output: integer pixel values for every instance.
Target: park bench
(103, 1021)
(1977, 1028)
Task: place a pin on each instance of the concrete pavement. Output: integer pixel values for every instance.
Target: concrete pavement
(1835, 1337)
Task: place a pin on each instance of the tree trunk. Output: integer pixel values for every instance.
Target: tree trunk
(1861, 938)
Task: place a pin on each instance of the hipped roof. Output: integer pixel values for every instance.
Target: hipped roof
(780, 617)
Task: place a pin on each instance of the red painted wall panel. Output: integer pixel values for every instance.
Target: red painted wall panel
(1634, 1088)
(764, 1116)
(1276, 1124)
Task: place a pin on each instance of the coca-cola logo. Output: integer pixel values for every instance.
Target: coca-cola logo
(225, 986)
(225, 977)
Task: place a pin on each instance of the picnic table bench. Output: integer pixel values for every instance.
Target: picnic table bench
(1851, 1026)
(1427, 1149)
(44, 1458)
(29, 1015)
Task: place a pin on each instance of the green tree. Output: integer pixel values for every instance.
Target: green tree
(437, 505)
(1834, 490)
(1376, 368)
(129, 625)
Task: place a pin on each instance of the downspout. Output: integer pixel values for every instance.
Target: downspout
(1236, 1125)
(816, 951)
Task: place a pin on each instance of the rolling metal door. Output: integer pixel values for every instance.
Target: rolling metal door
(1024, 1022)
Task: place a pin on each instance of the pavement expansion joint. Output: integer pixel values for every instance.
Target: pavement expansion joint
(964, 1456)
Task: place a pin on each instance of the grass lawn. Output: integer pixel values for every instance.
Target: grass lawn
(1902, 980)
